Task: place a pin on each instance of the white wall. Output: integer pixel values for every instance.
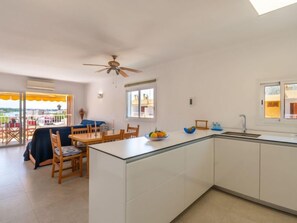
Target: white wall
(9, 82)
(112, 106)
(223, 84)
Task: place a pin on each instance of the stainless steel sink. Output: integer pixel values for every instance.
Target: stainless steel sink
(250, 135)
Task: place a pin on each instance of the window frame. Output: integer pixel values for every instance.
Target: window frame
(282, 119)
(139, 88)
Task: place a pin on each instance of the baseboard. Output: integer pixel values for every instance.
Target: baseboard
(258, 201)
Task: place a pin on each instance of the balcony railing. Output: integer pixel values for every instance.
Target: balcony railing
(10, 129)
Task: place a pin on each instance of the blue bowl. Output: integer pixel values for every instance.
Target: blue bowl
(191, 130)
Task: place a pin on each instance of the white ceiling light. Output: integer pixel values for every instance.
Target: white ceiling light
(264, 6)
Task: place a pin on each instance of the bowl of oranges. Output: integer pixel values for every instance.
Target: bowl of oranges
(156, 135)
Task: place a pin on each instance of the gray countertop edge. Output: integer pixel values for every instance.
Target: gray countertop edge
(214, 135)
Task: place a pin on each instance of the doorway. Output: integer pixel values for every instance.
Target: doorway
(22, 113)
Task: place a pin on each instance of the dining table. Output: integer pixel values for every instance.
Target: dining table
(89, 139)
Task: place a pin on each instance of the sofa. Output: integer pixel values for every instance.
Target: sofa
(39, 149)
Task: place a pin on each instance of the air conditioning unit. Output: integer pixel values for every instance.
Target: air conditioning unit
(41, 84)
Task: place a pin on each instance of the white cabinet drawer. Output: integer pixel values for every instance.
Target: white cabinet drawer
(279, 175)
(159, 205)
(237, 166)
(199, 171)
(148, 173)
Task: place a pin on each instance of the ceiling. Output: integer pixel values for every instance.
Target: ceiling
(52, 39)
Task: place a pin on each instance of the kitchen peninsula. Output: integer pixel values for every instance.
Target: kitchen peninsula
(137, 180)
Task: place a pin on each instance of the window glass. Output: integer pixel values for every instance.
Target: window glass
(147, 103)
(133, 104)
(272, 109)
(141, 103)
(290, 102)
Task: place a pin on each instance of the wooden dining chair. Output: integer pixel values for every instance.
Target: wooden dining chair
(2, 133)
(93, 129)
(12, 132)
(132, 132)
(79, 131)
(62, 154)
(114, 137)
(30, 128)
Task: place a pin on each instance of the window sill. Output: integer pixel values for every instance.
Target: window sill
(141, 119)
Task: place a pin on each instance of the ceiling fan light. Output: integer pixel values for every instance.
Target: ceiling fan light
(115, 65)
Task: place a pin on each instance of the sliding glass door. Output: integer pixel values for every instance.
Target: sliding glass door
(12, 116)
(48, 109)
(22, 113)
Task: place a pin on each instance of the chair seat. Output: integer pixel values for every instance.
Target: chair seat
(68, 151)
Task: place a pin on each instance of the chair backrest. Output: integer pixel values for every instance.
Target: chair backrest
(132, 132)
(56, 142)
(78, 131)
(13, 125)
(31, 122)
(31, 125)
(115, 137)
(93, 129)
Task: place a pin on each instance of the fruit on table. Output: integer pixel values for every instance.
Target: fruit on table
(157, 134)
(153, 135)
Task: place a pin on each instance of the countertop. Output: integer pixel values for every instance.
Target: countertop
(134, 147)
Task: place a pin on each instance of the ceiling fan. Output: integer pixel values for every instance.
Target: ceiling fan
(114, 65)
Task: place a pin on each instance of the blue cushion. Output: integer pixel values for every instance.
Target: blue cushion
(68, 151)
(91, 122)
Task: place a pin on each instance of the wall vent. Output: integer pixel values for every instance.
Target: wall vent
(40, 84)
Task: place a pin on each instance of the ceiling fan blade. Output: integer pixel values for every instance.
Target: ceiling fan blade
(123, 73)
(130, 69)
(101, 69)
(89, 64)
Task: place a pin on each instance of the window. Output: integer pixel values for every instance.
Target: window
(290, 101)
(141, 102)
(279, 101)
(272, 101)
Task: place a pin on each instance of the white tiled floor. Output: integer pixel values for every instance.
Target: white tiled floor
(28, 195)
(219, 207)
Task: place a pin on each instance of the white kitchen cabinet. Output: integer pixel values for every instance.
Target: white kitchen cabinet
(169, 181)
(153, 184)
(107, 185)
(237, 166)
(279, 175)
(154, 188)
(199, 170)
(140, 181)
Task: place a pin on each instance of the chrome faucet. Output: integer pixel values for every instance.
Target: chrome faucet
(243, 123)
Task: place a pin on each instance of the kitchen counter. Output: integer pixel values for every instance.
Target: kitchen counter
(137, 180)
(140, 146)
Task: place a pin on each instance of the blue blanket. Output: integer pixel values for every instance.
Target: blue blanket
(40, 146)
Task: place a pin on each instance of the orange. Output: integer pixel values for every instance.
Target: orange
(161, 134)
